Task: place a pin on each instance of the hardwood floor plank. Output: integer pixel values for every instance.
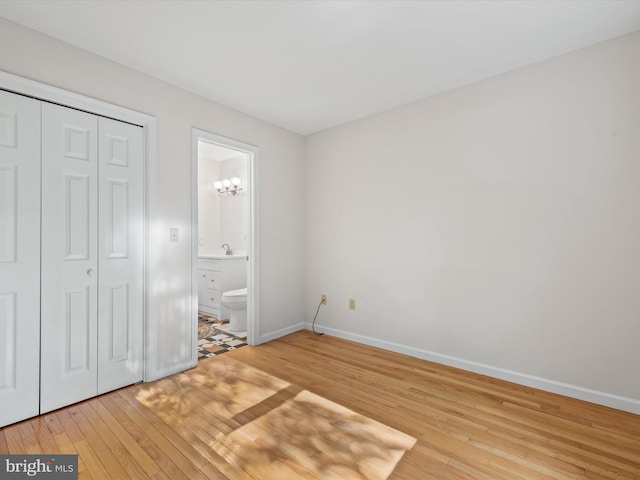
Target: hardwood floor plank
(14, 439)
(197, 428)
(140, 432)
(196, 453)
(185, 469)
(121, 435)
(30, 441)
(45, 437)
(58, 433)
(62, 441)
(237, 416)
(92, 467)
(112, 449)
(3, 442)
(443, 403)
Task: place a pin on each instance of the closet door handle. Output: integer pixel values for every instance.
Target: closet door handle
(90, 272)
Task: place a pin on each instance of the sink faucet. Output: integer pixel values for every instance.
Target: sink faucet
(227, 248)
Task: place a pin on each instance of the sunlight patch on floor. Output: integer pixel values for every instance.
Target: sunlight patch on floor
(309, 435)
(272, 429)
(218, 388)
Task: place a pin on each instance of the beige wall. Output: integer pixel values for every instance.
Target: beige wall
(38, 57)
(493, 227)
(233, 209)
(209, 203)
(222, 219)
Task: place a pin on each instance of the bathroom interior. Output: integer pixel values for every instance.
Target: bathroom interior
(222, 238)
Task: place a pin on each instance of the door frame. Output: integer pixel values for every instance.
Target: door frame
(40, 91)
(253, 296)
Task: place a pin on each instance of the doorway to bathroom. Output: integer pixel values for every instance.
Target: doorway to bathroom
(224, 244)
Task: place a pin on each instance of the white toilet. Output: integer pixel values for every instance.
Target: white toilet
(236, 301)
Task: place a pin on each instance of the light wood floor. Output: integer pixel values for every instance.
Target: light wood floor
(310, 406)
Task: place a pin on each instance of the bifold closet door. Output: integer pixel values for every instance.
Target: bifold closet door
(92, 256)
(69, 318)
(19, 257)
(120, 264)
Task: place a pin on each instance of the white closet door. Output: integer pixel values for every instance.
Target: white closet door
(19, 257)
(120, 279)
(69, 257)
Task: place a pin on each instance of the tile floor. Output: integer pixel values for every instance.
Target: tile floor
(214, 337)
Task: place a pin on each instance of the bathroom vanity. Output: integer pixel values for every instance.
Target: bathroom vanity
(218, 274)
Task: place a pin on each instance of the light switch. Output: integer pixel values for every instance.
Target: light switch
(173, 234)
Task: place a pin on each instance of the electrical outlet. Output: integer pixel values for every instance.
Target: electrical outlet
(323, 297)
(352, 304)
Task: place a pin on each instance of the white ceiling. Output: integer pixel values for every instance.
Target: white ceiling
(218, 153)
(310, 65)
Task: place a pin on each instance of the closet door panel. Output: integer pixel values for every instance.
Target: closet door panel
(69, 256)
(19, 257)
(120, 316)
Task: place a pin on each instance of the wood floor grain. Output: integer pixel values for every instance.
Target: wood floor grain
(308, 406)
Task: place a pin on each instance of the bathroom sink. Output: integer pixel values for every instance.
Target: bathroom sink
(222, 256)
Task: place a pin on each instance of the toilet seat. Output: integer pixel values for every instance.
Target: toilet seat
(236, 293)
(236, 301)
(235, 296)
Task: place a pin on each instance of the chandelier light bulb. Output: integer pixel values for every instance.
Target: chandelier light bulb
(228, 186)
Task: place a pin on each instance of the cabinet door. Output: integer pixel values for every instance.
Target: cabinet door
(120, 280)
(19, 257)
(69, 257)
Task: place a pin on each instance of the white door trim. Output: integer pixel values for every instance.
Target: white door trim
(252, 268)
(41, 91)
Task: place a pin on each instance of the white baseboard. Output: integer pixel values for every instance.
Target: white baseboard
(267, 337)
(626, 404)
(165, 372)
